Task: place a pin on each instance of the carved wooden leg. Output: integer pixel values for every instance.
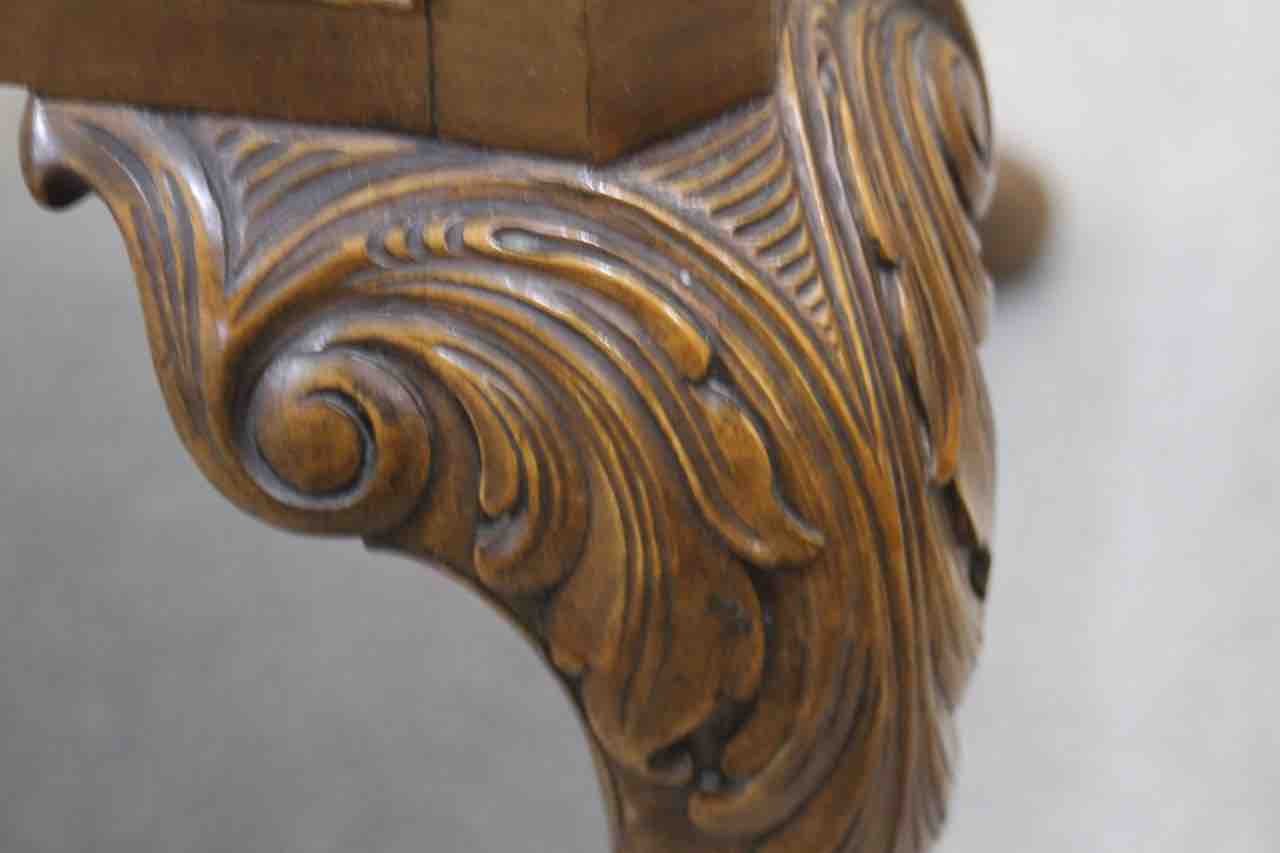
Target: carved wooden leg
(708, 423)
(1016, 227)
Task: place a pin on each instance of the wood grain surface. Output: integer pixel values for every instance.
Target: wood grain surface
(708, 423)
(301, 61)
(589, 79)
(593, 79)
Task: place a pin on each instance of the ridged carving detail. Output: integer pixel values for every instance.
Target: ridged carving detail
(707, 423)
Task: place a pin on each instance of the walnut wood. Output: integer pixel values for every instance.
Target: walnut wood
(300, 60)
(589, 79)
(1016, 228)
(708, 424)
(593, 79)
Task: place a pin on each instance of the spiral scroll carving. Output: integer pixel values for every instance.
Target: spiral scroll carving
(709, 423)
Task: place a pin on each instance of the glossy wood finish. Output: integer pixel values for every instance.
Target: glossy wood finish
(707, 423)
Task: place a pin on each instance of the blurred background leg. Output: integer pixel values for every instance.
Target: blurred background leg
(1018, 225)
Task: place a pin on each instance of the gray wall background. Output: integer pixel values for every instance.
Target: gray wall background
(174, 677)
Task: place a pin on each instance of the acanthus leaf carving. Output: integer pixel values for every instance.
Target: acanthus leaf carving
(708, 423)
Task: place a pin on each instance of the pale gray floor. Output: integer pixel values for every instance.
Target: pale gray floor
(174, 677)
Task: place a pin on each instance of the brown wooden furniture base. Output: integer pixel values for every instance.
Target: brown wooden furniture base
(707, 423)
(590, 79)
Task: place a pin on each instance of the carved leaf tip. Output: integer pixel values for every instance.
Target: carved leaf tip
(51, 177)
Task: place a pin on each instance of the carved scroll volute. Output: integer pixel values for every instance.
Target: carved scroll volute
(707, 423)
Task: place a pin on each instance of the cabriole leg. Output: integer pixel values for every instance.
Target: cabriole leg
(708, 423)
